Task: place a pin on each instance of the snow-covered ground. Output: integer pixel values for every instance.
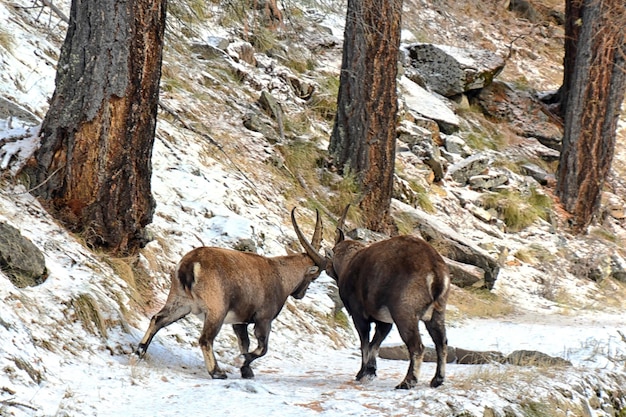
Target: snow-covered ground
(54, 364)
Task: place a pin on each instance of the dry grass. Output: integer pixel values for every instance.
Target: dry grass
(613, 294)
(7, 42)
(88, 313)
(476, 303)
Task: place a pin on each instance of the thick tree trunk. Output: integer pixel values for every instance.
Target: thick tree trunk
(573, 15)
(363, 138)
(596, 93)
(93, 169)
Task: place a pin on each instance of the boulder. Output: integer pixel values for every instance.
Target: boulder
(449, 242)
(488, 181)
(20, 259)
(618, 268)
(464, 275)
(448, 70)
(19, 115)
(401, 353)
(474, 357)
(457, 146)
(538, 174)
(469, 167)
(420, 101)
(535, 358)
(526, 115)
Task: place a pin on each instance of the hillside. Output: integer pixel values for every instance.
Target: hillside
(226, 174)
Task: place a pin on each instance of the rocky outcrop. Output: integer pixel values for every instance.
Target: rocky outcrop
(20, 259)
(420, 141)
(473, 357)
(525, 113)
(448, 70)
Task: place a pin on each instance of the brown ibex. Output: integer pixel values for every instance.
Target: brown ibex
(400, 280)
(227, 286)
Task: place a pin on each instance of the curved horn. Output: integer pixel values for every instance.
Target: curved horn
(316, 241)
(339, 232)
(319, 260)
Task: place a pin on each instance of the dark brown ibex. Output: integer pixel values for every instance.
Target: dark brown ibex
(400, 280)
(227, 286)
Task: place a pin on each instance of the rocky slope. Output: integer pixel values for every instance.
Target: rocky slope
(244, 122)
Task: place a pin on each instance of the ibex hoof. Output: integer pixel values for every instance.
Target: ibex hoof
(406, 385)
(246, 372)
(140, 352)
(367, 375)
(436, 382)
(219, 375)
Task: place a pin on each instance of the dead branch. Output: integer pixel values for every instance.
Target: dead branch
(56, 10)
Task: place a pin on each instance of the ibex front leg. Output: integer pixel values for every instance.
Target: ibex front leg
(261, 332)
(241, 331)
(168, 315)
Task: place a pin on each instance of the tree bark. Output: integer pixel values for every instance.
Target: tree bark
(597, 86)
(573, 16)
(364, 133)
(93, 168)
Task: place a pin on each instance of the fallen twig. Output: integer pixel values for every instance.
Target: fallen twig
(11, 403)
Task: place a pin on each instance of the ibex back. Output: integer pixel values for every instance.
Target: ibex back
(227, 286)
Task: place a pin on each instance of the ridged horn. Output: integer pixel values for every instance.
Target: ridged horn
(339, 233)
(319, 260)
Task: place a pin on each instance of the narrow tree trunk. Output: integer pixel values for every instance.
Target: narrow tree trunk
(593, 107)
(93, 169)
(363, 138)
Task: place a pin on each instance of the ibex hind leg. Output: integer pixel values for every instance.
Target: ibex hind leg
(437, 330)
(209, 332)
(410, 335)
(163, 318)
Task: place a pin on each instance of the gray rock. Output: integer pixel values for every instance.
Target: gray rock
(19, 114)
(365, 235)
(474, 165)
(449, 71)
(422, 145)
(618, 268)
(206, 51)
(20, 259)
(457, 145)
(539, 174)
(419, 100)
(412, 134)
(488, 181)
(464, 275)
